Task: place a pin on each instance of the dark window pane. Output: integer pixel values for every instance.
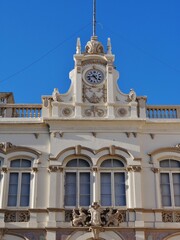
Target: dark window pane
(13, 189)
(15, 163)
(106, 189)
(70, 189)
(25, 163)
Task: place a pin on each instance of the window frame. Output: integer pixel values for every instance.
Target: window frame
(78, 170)
(112, 171)
(170, 171)
(20, 171)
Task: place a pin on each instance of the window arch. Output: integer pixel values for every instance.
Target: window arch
(170, 182)
(112, 183)
(19, 183)
(77, 183)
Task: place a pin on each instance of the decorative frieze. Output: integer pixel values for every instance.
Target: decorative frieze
(17, 216)
(171, 216)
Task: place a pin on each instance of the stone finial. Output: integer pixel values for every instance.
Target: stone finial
(132, 95)
(56, 95)
(78, 46)
(109, 47)
(94, 46)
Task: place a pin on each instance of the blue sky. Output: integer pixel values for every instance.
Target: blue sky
(38, 40)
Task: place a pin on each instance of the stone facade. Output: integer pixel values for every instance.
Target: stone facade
(93, 163)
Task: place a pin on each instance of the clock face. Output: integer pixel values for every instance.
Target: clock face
(94, 76)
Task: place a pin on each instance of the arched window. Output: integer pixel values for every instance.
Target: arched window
(112, 175)
(19, 183)
(77, 183)
(170, 182)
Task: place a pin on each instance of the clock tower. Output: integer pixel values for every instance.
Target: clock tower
(94, 92)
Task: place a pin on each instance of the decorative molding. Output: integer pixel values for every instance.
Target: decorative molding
(8, 147)
(94, 61)
(171, 216)
(122, 112)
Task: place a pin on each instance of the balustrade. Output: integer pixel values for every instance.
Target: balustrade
(20, 110)
(162, 111)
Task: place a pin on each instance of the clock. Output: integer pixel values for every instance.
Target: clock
(94, 76)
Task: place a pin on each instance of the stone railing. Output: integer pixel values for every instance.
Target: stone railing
(20, 110)
(16, 216)
(153, 111)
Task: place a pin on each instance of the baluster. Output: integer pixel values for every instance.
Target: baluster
(30, 112)
(152, 113)
(39, 112)
(26, 112)
(34, 109)
(169, 113)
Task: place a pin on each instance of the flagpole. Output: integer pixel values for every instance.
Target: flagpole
(94, 17)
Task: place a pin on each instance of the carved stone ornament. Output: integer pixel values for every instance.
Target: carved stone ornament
(53, 168)
(94, 111)
(134, 168)
(132, 96)
(170, 216)
(56, 95)
(16, 216)
(5, 146)
(155, 170)
(96, 216)
(94, 95)
(67, 111)
(94, 46)
(121, 112)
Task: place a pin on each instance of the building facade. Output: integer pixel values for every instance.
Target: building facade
(93, 163)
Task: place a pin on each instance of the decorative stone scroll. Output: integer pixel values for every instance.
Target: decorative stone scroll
(94, 111)
(17, 216)
(96, 216)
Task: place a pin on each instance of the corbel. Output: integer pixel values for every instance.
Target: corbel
(134, 134)
(151, 135)
(36, 135)
(94, 134)
(155, 170)
(127, 134)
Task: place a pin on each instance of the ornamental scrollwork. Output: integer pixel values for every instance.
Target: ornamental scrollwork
(94, 111)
